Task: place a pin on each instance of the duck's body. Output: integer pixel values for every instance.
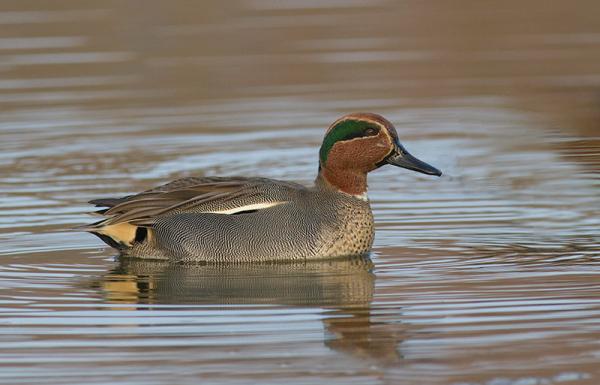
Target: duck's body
(245, 219)
(258, 219)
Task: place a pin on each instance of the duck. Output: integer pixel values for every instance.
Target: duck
(253, 219)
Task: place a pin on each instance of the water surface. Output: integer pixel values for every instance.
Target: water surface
(488, 275)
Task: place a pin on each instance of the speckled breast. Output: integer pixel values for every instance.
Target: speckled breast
(354, 233)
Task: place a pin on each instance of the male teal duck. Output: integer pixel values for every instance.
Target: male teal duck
(240, 219)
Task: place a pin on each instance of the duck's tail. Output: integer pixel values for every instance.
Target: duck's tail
(121, 236)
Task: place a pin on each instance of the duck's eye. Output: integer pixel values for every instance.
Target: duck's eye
(370, 131)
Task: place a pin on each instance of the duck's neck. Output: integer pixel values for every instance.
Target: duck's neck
(352, 182)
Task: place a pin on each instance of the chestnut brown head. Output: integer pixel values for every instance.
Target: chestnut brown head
(359, 143)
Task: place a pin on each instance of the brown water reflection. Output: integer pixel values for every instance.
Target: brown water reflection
(343, 288)
(488, 275)
(332, 283)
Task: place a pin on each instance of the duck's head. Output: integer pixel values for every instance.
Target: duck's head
(358, 143)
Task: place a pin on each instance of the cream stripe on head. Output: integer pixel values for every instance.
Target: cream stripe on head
(378, 120)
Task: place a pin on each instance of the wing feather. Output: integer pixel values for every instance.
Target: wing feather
(208, 195)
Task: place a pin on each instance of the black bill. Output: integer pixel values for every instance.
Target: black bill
(402, 158)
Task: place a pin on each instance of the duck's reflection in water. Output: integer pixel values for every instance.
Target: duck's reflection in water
(343, 288)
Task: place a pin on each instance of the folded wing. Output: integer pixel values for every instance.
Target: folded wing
(130, 219)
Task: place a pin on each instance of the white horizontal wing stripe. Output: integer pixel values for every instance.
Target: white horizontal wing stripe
(254, 206)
